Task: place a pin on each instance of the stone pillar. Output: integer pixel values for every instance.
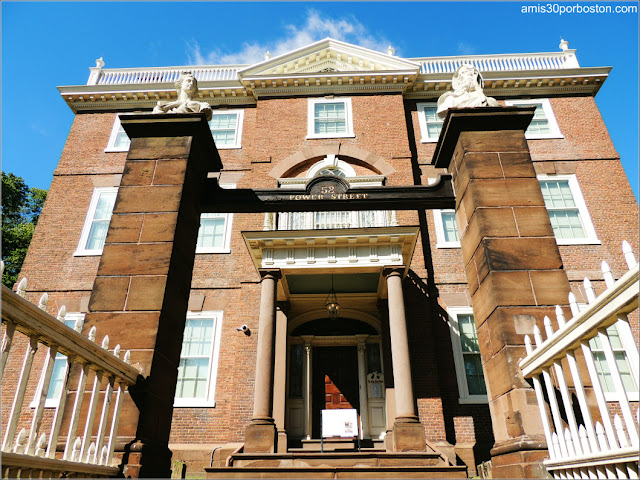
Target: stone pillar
(280, 376)
(408, 432)
(260, 436)
(513, 267)
(141, 290)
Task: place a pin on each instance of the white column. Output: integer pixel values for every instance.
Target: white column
(307, 390)
(362, 381)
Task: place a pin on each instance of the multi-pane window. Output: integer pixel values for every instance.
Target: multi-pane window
(466, 351)
(430, 123)
(97, 221)
(59, 370)
(567, 211)
(119, 140)
(214, 233)
(471, 355)
(602, 367)
(446, 229)
(198, 360)
(543, 124)
(226, 128)
(329, 118)
(296, 363)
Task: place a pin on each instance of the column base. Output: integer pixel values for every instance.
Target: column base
(260, 436)
(519, 458)
(147, 461)
(408, 435)
(282, 442)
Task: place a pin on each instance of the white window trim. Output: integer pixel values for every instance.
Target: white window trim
(629, 345)
(112, 138)
(226, 246)
(331, 161)
(441, 242)
(311, 117)
(422, 121)
(213, 366)
(53, 402)
(591, 238)
(458, 357)
(82, 251)
(548, 112)
(239, 124)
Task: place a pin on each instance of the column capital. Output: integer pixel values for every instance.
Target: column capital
(273, 273)
(393, 270)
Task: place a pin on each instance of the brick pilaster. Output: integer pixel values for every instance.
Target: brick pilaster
(141, 291)
(512, 264)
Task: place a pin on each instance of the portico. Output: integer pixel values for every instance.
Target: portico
(323, 363)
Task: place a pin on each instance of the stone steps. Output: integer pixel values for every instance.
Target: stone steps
(338, 464)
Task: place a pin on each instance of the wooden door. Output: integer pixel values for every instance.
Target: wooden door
(335, 381)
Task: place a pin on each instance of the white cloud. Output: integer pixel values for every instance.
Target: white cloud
(316, 27)
(465, 49)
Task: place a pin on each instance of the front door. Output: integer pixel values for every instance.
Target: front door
(335, 381)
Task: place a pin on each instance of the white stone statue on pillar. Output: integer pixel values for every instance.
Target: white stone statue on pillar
(187, 87)
(467, 91)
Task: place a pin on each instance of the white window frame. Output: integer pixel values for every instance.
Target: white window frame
(458, 357)
(226, 239)
(54, 402)
(422, 121)
(239, 123)
(312, 102)
(441, 241)
(554, 130)
(86, 229)
(209, 401)
(591, 237)
(628, 344)
(111, 147)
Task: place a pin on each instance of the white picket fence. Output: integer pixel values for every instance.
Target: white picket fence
(32, 452)
(582, 448)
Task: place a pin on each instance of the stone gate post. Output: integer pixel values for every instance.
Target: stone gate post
(142, 287)
(513, 267)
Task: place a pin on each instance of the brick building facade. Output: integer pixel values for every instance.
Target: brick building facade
(334, 109)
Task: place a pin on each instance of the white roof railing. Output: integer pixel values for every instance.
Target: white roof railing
(428, 65)
(499, 63)
(128, 76)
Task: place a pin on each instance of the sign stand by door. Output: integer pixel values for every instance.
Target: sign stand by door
(339, 423)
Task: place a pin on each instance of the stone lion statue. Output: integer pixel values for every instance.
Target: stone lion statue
(187, 87)
(467, 91)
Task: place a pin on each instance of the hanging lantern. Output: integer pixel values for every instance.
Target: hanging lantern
(332, 305)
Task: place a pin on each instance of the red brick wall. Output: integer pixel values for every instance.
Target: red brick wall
(273, 130)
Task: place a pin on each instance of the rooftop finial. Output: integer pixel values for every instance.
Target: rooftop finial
(267, 55)
(564, 45)
(391, 50)
(99, 62)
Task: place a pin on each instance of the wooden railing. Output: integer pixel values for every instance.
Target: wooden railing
(32, 452)
(578, 446)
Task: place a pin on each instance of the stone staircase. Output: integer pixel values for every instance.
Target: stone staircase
(339, 458)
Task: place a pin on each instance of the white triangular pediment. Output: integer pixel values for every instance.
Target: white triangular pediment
(328, 56)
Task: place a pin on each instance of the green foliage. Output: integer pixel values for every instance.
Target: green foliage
(21, 207)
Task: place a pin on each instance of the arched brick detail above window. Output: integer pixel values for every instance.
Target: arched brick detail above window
(374, 161)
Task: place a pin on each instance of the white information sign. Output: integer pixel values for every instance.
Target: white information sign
(340, 423)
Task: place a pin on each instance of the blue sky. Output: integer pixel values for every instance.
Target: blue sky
(47, 44)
